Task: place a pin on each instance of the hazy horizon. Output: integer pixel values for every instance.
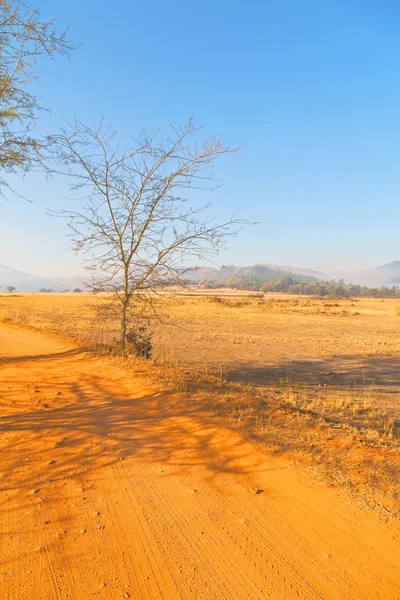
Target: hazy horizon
(357, 272)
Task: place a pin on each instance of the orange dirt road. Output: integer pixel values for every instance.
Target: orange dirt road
(111, 491)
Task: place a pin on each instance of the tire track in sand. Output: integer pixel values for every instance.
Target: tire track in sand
(174, 519)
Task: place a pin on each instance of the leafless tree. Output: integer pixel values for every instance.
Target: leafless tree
(139, 223)
(24, 37)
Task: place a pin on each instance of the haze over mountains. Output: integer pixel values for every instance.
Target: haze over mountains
(200, 274)
(25, 282)
(387, 275)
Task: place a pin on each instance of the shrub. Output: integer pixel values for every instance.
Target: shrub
(139, 342)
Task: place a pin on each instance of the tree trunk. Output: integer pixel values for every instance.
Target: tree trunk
(125, 304)
(123, 323)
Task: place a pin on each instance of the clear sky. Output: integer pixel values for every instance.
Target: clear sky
(312, 87)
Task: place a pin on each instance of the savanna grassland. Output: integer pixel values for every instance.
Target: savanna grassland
(314, 379)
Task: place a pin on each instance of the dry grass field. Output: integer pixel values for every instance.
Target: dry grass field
(314, 379)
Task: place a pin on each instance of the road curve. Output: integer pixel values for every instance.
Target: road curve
(110, 490)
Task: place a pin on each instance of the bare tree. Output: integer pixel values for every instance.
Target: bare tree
(24, 36)
(138, 226)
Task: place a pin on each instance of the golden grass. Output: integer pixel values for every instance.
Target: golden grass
(316, 379)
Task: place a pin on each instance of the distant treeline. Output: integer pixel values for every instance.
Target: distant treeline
(305, 286)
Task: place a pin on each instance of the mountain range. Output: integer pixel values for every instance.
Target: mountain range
(25, 282)
(388, 275)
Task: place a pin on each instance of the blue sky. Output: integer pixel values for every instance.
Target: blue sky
(311, 87)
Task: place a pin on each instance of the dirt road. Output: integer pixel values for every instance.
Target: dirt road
(109, 490)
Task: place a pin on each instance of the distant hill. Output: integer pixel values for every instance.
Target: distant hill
(267, 271)
(25, 282)
(388, 274)
(384, 275)
(381, 282)
(249, 278)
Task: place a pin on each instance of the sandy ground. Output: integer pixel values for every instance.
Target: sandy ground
(110, 490)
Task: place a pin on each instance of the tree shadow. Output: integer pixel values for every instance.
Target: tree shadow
(96, 422)
(9, 360)
(342, 371)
